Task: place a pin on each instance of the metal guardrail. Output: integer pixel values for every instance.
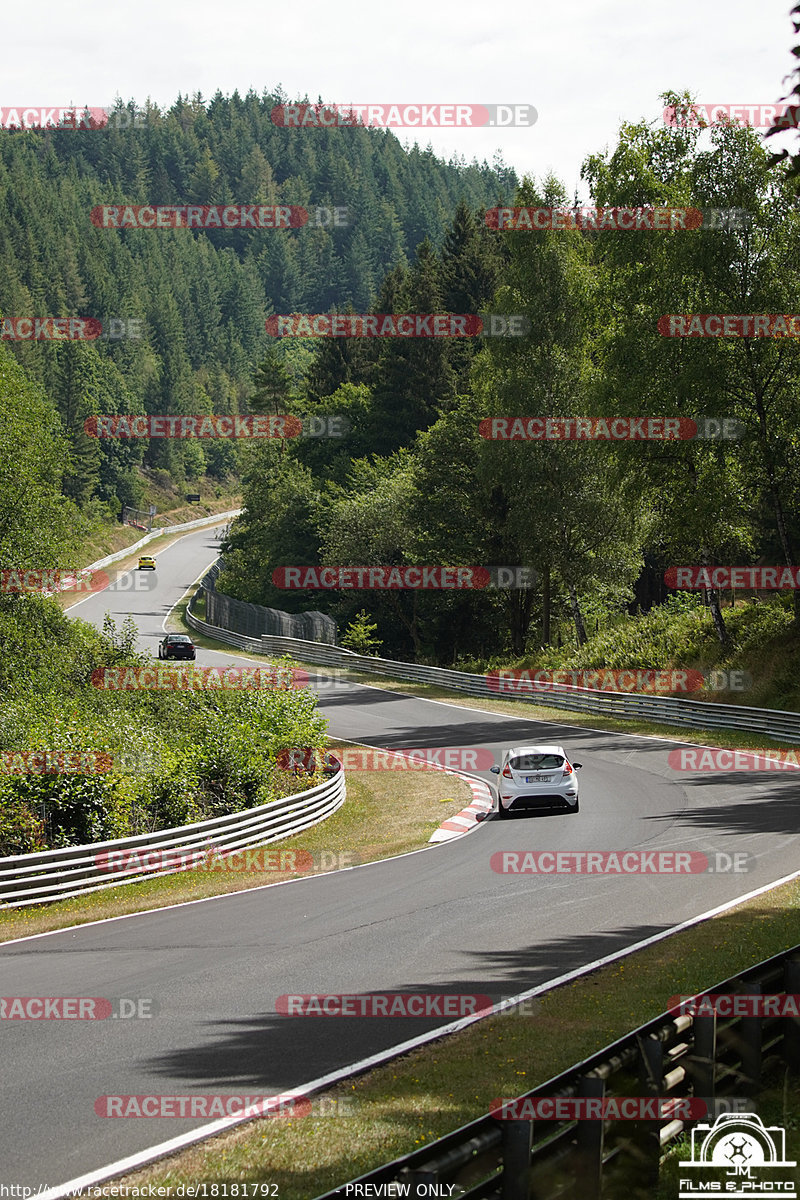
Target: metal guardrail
(156, 533)
(666, 710)
(77, 870)
(724, 1063)
(149, 537)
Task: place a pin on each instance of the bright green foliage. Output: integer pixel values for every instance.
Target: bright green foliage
(360, 634)
(174, 757)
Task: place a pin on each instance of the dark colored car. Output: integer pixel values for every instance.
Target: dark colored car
(176, 645)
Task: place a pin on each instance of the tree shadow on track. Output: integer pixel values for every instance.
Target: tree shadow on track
(776, 811)
(277, 1052)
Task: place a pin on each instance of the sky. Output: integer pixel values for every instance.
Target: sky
(584, 66)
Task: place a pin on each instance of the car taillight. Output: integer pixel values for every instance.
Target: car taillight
(567, 768)
(507, 772)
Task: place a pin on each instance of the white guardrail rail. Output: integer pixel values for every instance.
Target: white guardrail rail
(213, 519)
(665, 710)
(76, 870)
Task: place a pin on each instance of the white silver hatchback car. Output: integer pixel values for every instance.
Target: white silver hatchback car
(537, 777)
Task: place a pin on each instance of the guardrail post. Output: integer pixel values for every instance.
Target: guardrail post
(791, 1025)
(702, 1063)
(516, 1149)
(426, 1177)
(590, 1142)
(752, 1037)
(651, 1075)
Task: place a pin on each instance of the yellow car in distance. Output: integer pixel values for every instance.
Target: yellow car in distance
(146, 563)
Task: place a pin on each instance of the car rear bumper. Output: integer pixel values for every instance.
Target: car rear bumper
(557, 799)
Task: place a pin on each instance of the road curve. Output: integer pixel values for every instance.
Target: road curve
(436, 921)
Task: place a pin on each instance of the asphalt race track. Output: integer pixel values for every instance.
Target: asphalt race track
(435, 921)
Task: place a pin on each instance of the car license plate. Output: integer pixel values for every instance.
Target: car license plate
(538, 778)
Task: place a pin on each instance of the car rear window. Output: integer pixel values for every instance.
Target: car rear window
(537, 762)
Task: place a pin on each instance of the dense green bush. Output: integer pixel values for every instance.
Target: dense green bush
(676, 634)
(160, 758)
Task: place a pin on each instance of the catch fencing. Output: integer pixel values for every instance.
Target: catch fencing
(721, 1062)
(253, 620)
(49, 875)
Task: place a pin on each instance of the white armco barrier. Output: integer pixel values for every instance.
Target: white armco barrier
(59, 874)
